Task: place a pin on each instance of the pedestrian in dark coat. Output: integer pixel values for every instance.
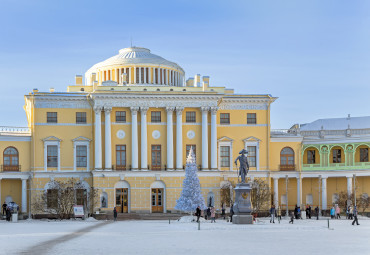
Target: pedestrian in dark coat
(209, 213)
(355, 212)
(272, 214)
(197, 213)
(291, 218)
(223, 211)
(296, 212)
(4, 208)
(317, 211)
(115, 213)
(8, 214)
(231, 213)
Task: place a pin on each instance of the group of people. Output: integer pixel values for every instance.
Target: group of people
(8, 209)
(209, 213)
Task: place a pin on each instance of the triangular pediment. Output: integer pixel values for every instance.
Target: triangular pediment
(251, 139)
(52, 138)
(225, 139)
(81, 138)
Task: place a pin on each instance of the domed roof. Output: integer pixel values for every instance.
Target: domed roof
(135, 55)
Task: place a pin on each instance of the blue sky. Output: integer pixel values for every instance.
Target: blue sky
(313, 55)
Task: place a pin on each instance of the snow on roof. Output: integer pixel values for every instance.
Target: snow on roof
(337, 124)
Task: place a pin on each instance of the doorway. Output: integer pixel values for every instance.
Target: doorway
(122, 200)
(157, 200)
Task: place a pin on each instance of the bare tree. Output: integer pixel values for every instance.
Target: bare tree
(363, 202)
(343, 199)
(60, 197)
(261, 195)
(226, 193)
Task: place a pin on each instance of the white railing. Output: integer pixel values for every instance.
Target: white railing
(286, 132)
(15, 130)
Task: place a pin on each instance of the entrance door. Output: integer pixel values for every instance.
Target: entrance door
(157, 200)
(122, 200)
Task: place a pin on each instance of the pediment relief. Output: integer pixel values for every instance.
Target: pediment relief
(251, 139)
(81, 138)
(52, 138)
(225, 139)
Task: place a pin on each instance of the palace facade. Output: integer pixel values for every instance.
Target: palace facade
(126, 128)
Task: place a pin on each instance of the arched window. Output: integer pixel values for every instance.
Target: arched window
(11, 159)
(287, 159)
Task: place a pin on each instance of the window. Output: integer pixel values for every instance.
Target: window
(156, 157)
(155, 116)
(311, 157)
(337, 156)
(52, 156)
(121, 157)
(81, 156)
(80, 117)
(364, 154)
(287, 159)
(251, 118)
(190, 117)
(252, 156)
(11, 159)
(188, 146)
(52, 198)
(224, 118)
(121, 116)
(51, 117)
(225, 156)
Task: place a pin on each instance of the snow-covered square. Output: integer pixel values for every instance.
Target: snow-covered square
(160, 237)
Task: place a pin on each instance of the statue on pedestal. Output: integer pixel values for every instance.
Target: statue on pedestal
(244, 166)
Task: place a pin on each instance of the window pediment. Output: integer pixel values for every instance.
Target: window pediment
(251, 139)
(52, 138)
(81, 139)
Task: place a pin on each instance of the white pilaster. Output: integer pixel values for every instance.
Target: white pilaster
(324, 193)
(349, 186)
(299, 191)
(149, 75)
(108, 138)
(214, 138)
(119, 79)
(170, 138)
(205, 138)
(140, 80)
(134, 139)
(24, 195)
(154, 76)
(98, 152)
(179, 137)
(276, 192)
(144, 138)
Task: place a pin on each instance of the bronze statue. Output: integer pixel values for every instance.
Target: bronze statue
(244, 166)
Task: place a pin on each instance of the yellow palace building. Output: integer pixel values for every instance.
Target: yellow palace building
(126, 128)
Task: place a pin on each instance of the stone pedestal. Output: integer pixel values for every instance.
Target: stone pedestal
(242, 206)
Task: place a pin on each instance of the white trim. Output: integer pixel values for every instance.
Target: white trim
(123, 185)
(158, 185)
(252, 141)
(286, 139)
(83, 143)
(63, 124)
(228, 143)
(242, 125)
(15, 138)
(50, 143)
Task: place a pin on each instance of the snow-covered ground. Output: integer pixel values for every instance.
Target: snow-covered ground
(160, 237)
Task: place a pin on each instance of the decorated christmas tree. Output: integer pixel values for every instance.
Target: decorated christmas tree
(191, 196)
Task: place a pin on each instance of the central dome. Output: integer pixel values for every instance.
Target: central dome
(136, 57)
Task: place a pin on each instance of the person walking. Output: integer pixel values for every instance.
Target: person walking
(291, 218)
(115, 214)
(317, 211)
(279, 214)
(355, 212)
(350, 213)
(8, 214)
(197, 213)
(272, 214)
(332, 213)
(4, 208)
(213, 215)
(231, 213)
(337, 212)
(347, 212)
(209, 213)
(296, 212)
(308, 212)
(299, 213)
(223, 211)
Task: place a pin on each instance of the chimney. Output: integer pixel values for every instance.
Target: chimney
(78, 79)
(205, 82)
(197, 80)
(35, 90)
(51, 90)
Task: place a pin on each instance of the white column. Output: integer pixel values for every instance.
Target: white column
(349, 186)
(179, 137)
(24, 195)
(149, 75)
(134, 139)
(144, 139)
(134, 75)
(119, 81)
(205, 137)
(131, 79)
(98, 152)
(214, 138)
(108, 138)
(163, 79)
(140, 81)
(154, 75)
(276, 192)
(299, 191)
(170, 137)
(177, 79)
(324, 195)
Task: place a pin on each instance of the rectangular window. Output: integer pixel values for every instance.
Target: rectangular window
(81, 155)
(188, 146)
(156, 157)
(225, 156)
(251, 118)
(364, 154)
(80, 117)
(51, 117)
(252, 156)
(224, 118)
(311, 157)
(337, 157)
(155, 116)
(52, 154)
(120, 157)
(121, 116)
(52, 198)
(190, 117)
